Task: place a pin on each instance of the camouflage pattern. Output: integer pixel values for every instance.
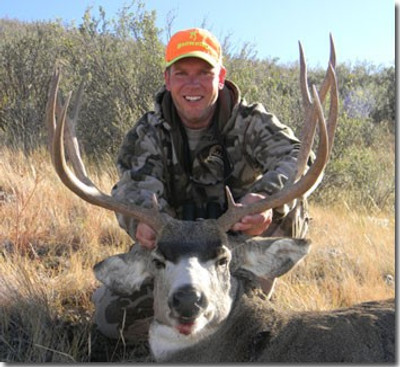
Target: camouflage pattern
(122, 316)
(261, 152)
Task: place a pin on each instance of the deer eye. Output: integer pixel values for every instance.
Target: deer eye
(222, 261)
(158, 264)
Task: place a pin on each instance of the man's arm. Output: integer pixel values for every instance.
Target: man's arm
(141, 167)
(273, 148)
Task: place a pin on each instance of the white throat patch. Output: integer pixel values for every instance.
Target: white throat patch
(165, 340)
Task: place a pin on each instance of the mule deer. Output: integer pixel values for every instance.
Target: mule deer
(206, 307)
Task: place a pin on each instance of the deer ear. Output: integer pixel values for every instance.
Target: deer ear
(272, 257)
(124, 273)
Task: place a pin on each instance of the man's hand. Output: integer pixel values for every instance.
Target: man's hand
(145, 236)
(255, 224)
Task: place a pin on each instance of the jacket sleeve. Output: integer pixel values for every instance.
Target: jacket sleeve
(273, 149)
(141, 168)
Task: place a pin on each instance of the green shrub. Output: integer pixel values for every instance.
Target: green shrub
(361, 168)
(119, 60)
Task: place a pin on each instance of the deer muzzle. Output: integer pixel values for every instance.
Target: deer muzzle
(187, 303)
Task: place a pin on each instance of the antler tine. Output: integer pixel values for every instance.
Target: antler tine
(326, 83)
(85, 188)
(308, 132)
(330, 83)
(332, 63)
(303, 80)
(71, 141)
(50, 108)
(333, 108)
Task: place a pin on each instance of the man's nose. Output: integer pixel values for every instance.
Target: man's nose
(193, 80)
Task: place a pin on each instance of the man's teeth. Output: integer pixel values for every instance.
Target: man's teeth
(192, 98)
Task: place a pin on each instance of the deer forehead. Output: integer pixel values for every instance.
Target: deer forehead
(189, 271)
(201, 239)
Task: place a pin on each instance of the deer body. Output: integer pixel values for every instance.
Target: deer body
(256, 332)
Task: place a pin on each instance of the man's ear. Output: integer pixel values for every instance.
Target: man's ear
(124, 273)
(271, 257)
(167, 77)
(222, 76)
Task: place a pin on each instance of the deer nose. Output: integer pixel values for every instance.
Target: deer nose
(187, 302)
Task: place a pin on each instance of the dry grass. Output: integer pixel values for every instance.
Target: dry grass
(352, 260)
(50, 239)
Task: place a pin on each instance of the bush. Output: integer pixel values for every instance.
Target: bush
(27, 54)
(361, 168)
(120, 62)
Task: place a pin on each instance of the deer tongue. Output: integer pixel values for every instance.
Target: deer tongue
(185, 328)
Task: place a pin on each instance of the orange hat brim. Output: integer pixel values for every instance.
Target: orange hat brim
(198, 54)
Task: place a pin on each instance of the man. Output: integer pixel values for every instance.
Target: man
(201, 137)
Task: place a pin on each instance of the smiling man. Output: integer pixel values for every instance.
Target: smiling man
(201, 137)
(194, 86)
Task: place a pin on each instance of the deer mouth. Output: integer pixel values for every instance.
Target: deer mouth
(193, 324)
(185, 328)
(185, 325)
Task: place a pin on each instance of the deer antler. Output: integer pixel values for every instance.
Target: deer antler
(300, 184)
(82, 185)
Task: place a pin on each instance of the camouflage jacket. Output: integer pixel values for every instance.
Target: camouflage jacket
(245, 147)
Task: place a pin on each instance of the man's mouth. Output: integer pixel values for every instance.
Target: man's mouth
(192, 98)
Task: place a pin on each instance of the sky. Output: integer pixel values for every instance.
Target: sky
(363, 30)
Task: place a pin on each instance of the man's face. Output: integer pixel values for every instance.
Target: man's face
(194, 86)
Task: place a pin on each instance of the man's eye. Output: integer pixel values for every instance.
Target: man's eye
(158, 264)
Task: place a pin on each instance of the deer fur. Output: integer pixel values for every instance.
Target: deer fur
(256, 332)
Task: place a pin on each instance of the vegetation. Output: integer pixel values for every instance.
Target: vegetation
(121, 63)
(50, 239)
